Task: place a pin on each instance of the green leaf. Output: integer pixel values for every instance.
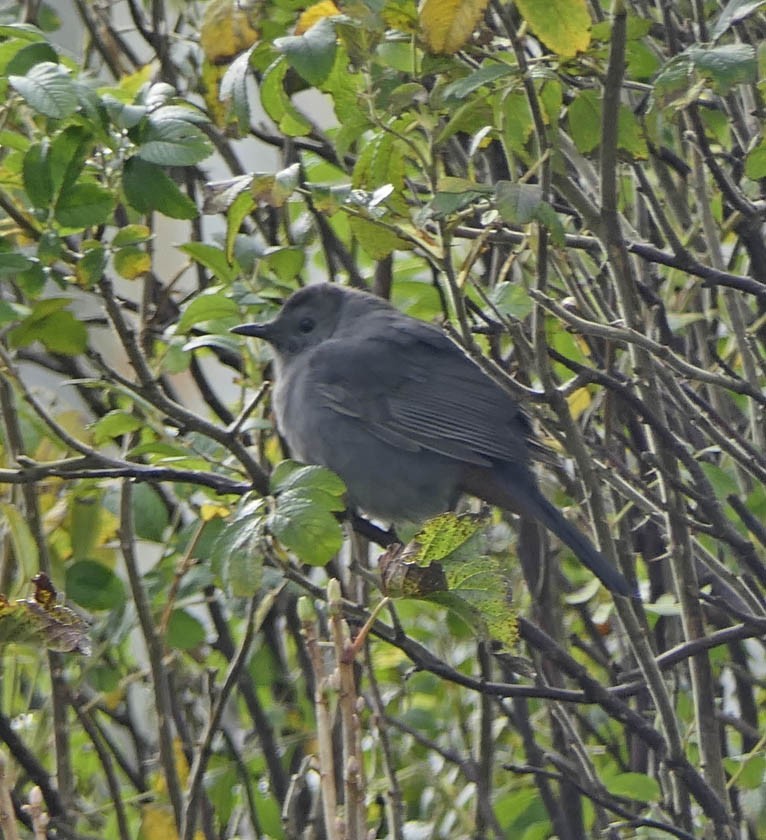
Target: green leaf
(312, 54)
(210, 306)
(242, 571)
(11, 263)
(149, 514)
(291, 475)
(84, 205)
(239, 210)
(33, 280)
(22, 31)
(443, 535)
(634, 786)
(517, 203)
(170, 141)
(113, 425)
(90, 267)
(517, 122)
(511, 299)
(447, 562)
(233, 89)
(11, 312)
(59, 331)
(13, 140)
(131, 235)
(549, 218)
(124, 116)
(755, 162)
(236, 549)
(220, 195)
(584, 118)
(213, 258)
(49, 247)
(455, 194)
(681, 79)
(24, 545)
(48, 89)
(725, 66)
(89, 521)
(28, 56)
(184, 631)
(563, 25)
(749, 770)
(277, 104)
(734, 12)
(286, 263)
(132, 262)
(722, 481)
(304, 523)
(94, 586)
(38, 182)
(307, 498)
(148, 188)
(630, 135)
(489, 72)
(70, 149)
(474, 112)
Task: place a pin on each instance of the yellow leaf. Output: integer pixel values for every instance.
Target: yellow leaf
(315, 13)
(157, 823)
(562, 25)
(132, 84)
(131, 262)
(578, 401)
(159, 785)
(112, 699)
(210, 79)
(208, 511)
(448, 24)
(225, 31)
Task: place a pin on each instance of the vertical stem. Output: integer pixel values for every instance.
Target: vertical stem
(154, 646)
(323, 722)
(59, 691)
(349, 719)
(7, 815)
(681, 560)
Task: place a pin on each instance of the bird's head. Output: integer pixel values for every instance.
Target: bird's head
(312, 315)
(308, 317)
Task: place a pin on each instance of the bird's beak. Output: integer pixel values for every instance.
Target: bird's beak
(264, 331)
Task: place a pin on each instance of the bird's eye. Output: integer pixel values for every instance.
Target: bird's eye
(305, 325)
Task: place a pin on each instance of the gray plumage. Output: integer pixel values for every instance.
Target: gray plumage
(403, 415)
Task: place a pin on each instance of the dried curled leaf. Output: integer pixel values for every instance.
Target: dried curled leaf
(41, 620)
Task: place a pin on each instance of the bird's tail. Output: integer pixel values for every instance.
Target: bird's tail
(537, 506)
(513, 487)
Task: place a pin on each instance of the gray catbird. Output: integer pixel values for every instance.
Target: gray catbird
(403, 415)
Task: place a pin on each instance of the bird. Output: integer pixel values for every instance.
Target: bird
(403, 415)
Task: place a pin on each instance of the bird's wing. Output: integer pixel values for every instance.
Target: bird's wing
(415, 389)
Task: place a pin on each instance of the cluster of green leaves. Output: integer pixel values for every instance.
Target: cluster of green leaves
(75, 151)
